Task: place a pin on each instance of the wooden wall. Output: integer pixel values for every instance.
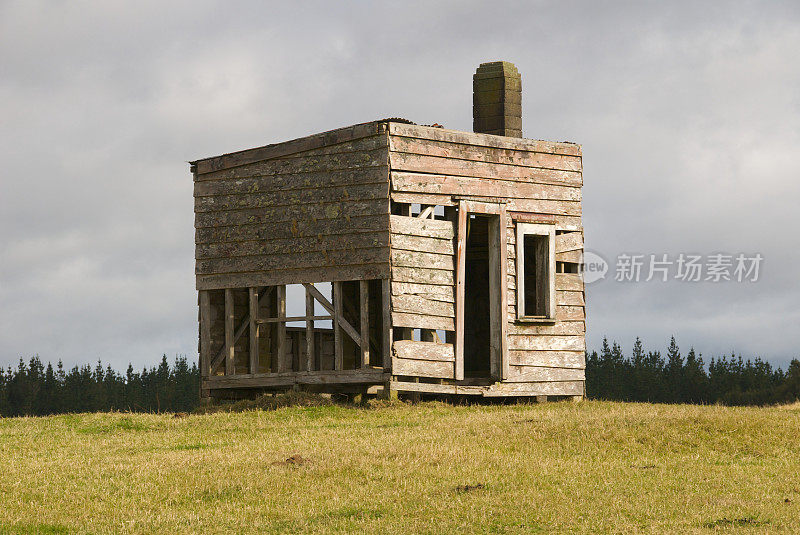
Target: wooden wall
(310, 210)
(435, 166)
(422, 296)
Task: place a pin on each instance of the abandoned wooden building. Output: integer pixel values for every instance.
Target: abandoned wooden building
(391, 257)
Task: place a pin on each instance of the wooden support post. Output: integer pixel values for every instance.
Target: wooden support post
(541, 399)
(502, 287)
(461, 269)
(254, 330)
(230, 364)
(386, 322)
(338, 359)
(280, 328)
(309, 332)
(205, 334)
(498, 303)
(363, 297)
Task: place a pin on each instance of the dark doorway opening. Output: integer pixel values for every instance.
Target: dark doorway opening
(477, 324)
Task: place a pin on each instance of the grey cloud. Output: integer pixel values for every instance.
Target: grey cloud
(688, 116)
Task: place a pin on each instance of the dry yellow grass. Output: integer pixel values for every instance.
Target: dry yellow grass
(590, 467)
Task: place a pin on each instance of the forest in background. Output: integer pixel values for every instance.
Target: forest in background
(672, 378)
(35, 389)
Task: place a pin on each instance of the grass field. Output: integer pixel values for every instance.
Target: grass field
(590, 467)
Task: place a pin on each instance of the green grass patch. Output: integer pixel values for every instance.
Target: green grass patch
(591, 467)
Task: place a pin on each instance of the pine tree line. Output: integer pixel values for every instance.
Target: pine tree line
(33, 389)
(649, 376)
(37, 390)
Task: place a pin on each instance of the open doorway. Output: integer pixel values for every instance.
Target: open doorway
(477, 326)
(481, 295)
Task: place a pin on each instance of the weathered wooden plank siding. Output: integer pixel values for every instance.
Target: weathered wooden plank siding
(435, 166)
(422, 273)
(315, 210)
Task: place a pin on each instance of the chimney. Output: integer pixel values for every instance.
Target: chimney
(497, 99)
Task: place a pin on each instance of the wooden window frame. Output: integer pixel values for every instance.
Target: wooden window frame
(536, 229)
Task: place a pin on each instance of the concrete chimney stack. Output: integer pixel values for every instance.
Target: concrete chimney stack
(497, 99)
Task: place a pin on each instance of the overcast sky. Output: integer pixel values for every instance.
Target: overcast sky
(687, 113)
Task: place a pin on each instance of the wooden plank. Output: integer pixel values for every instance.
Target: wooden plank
(560, 388)
(559, 208)
(363, 296)
(244, 157)
(422, 368)
(422, 321)
(461, 261)
(415, 259)
(248, 180)
(553, 359)
(309, 331)
(546, 342)
(569, 281)
(229, 333)
(575, 257)
(483, 140)
(354, 160)
(570, 298)
(410, 349)
(416, 163)
(292, 276)
(386, 323)
(563, 313)
(431, 388)
(445, 149)
(331, 308)
(527, 374)
(569, 241)
(423, 244)
(422, 275)
(422, 198)
(254, 330)
(205, 333)
(268, 199)
(441, 184)
(312, 259)
(288, 230)
(325, 377)
(570, 313)
(292, 246)
(568, 328)
(415, 304)
(430, 228)
(270, 215)
(432, 292)
(337, 321)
